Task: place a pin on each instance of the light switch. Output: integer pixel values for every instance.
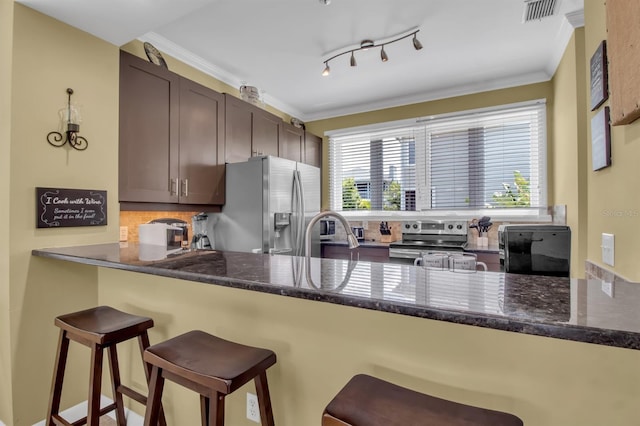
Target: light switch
(124, 233)
(608, 252)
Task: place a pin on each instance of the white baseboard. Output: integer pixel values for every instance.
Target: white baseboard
(78, 411)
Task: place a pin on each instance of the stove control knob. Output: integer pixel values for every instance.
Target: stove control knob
(459, 226)
(450, 226)
(415, 226)
(407, 226)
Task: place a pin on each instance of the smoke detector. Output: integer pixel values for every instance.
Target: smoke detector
(534, 10)
(325, 2)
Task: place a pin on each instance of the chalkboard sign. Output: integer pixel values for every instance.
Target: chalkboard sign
(599, 88)
(57, 207)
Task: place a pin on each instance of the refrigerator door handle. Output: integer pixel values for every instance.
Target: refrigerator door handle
(298, 209)
(295, 214)
(302, 211)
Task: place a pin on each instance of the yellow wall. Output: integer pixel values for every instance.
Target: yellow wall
(614, 205)
(548, 382)
(6, 38)
(568, 154)
(49, 57)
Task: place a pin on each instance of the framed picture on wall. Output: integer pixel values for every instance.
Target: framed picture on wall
(599, 78)
(601, 140)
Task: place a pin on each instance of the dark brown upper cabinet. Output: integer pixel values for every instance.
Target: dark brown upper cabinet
(171, 137)
(291, 142)
(249, 130)
(312, 149)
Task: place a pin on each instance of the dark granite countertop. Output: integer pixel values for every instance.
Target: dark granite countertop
(365, 243)
(581, 310)
(474, 248)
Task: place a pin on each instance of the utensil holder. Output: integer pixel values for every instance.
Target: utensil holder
(483, 240)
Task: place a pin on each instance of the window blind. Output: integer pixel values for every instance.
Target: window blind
(469, 160)
(373, 171)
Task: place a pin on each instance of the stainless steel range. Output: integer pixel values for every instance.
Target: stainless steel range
(428, 236)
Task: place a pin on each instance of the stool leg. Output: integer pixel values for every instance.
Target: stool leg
(58, 377)
(143, 342)
(212, 414)
(204, 410)
(264, 400)
(121, 420)
(156, 384)
(95, 386)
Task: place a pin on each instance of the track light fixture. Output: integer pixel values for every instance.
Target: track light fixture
(416, 42)
(369, 44)
(383, 55)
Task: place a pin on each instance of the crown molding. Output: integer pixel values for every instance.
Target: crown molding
(195, 61)
(576, 18)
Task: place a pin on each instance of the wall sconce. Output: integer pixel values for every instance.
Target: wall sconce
(70, 120)
(368, 44)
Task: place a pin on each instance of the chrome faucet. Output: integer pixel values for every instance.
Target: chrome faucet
(351, 239)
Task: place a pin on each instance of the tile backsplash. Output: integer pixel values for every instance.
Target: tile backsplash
(131, 219)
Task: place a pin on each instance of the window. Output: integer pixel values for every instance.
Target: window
(474, 160)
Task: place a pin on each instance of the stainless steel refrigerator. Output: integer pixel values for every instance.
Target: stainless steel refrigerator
(269, 201)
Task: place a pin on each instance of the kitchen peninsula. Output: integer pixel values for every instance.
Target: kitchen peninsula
(489, 339)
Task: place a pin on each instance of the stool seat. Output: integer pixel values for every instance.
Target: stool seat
(209, 360)
(104, 325)
(369, 401)
(100, 328)
(211, 366)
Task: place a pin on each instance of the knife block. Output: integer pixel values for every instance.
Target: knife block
(386, 238)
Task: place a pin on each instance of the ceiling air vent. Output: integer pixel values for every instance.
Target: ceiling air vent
(538, 9)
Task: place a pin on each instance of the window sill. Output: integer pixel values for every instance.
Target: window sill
(529, 215)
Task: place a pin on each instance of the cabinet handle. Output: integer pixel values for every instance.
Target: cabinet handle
(173, 186)
(185, 192)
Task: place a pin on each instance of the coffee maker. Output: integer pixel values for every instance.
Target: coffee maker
(202, 226)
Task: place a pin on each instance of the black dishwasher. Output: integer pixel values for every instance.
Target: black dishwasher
(537, 249)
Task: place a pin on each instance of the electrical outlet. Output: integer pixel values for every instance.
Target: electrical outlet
(608, 252)
(124, 233)
(365, 225)
(607, 288)
(253, 412)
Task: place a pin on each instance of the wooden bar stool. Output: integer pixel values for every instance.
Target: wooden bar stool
(211, 366)
(98, 328)
(368, 401)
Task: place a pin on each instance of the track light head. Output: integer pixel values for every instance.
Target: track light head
(353, 60)
(383, 55)
(416, 42)
(326, 70)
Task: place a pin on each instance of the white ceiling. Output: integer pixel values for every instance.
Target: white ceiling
(279, 46)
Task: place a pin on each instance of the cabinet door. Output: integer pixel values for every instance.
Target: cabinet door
(148, 155)
(312, 149)
(201, 144)
(291, 142)
(237, 127)
(265, 134)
